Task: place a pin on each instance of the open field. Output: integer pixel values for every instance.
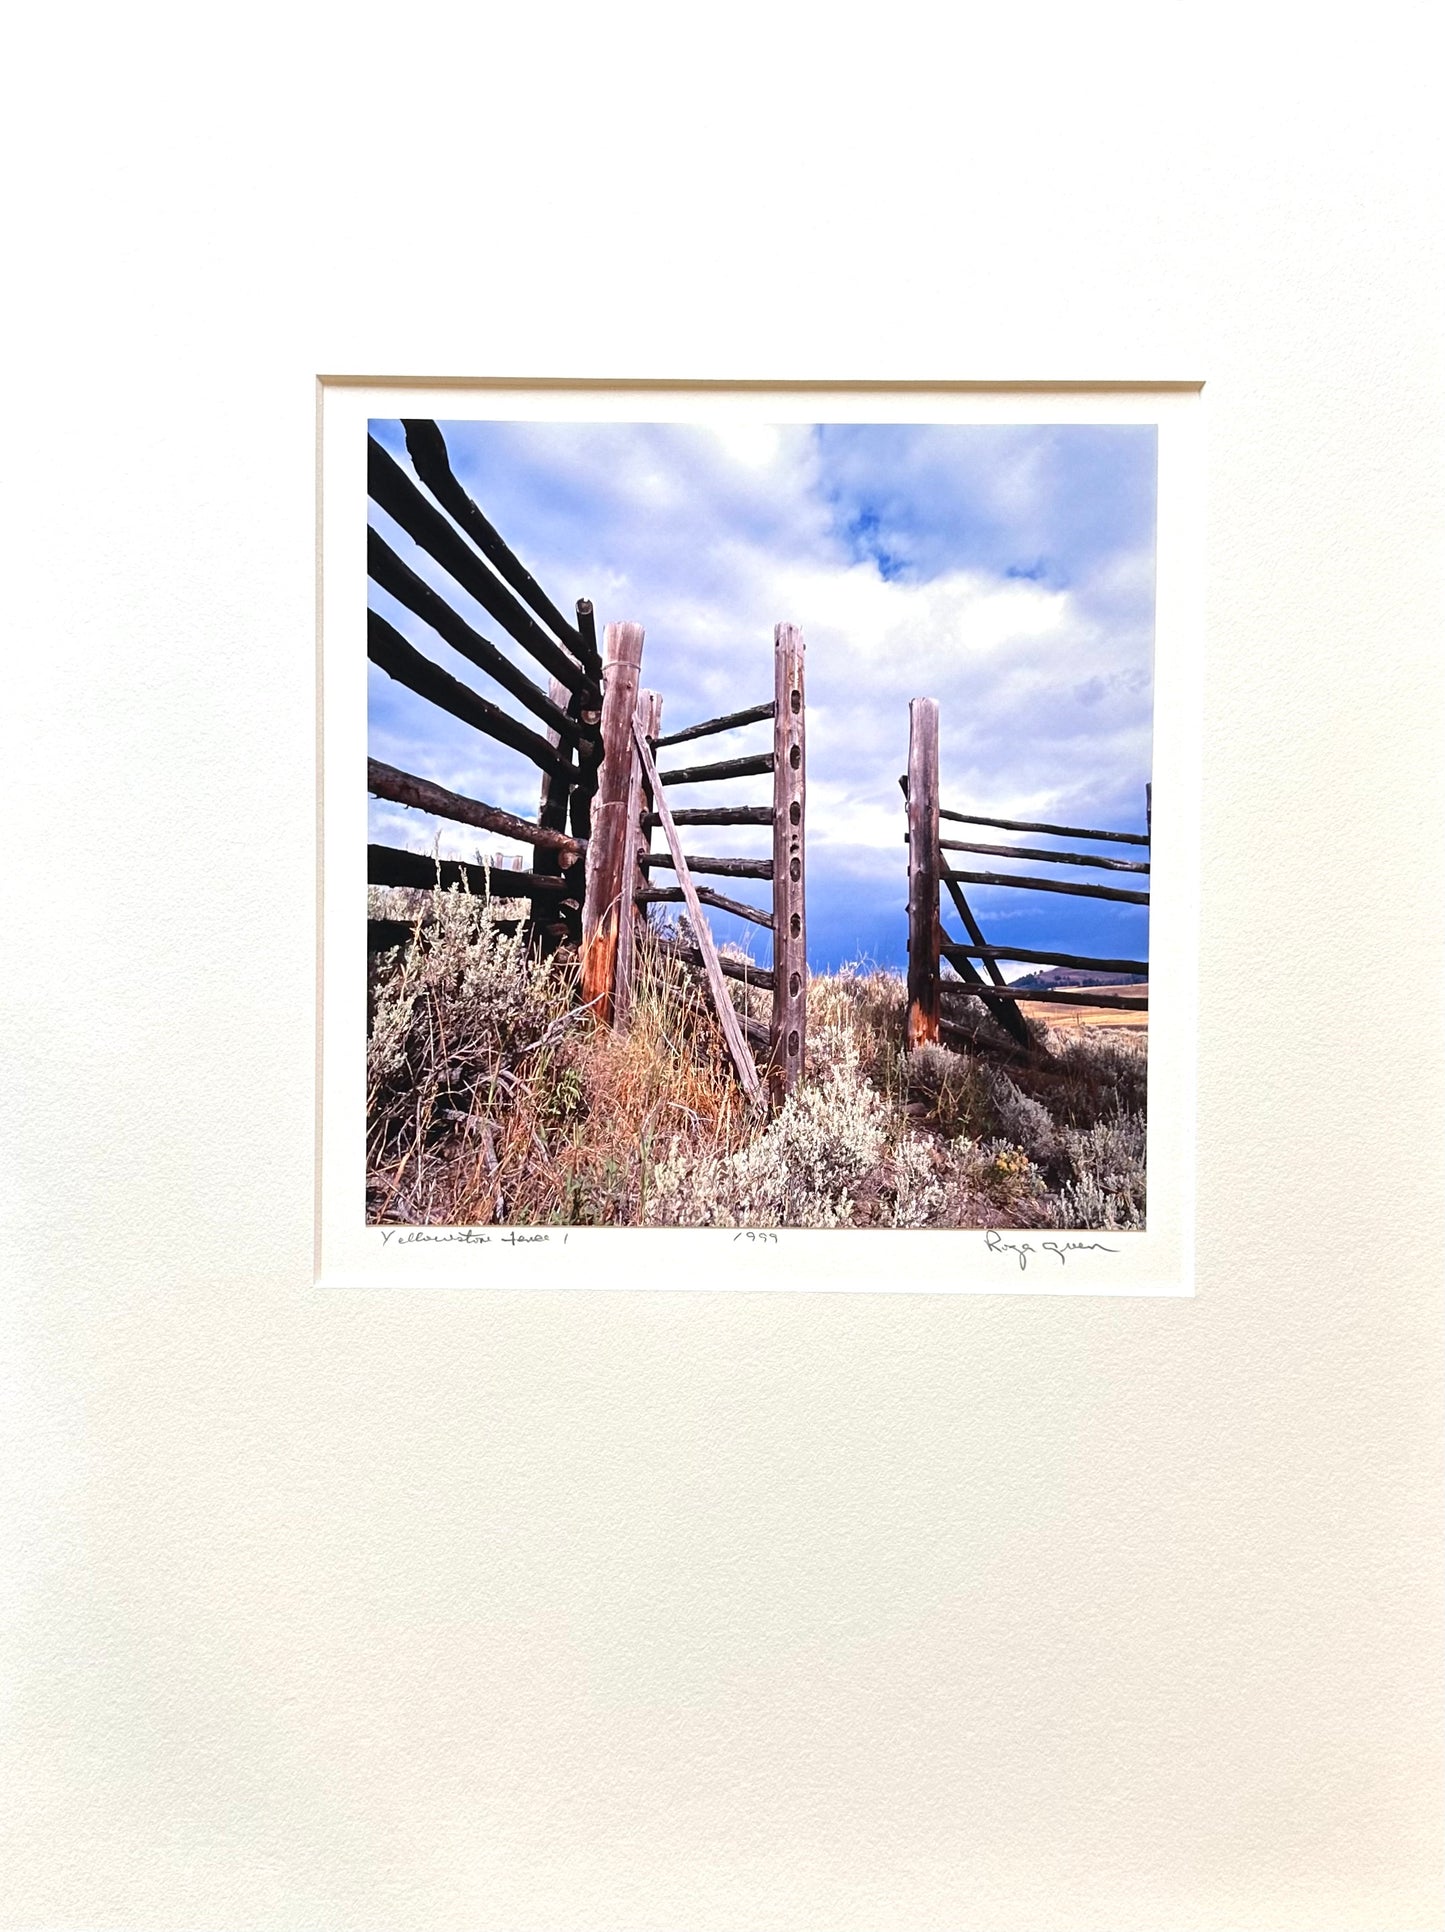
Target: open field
(1065, 1019)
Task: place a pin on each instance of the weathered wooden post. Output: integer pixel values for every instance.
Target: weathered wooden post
(789, 1034)
(923, 865)
(610, 848)
(634, 874)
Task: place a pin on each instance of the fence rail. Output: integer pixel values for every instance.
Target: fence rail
(402, 788)
(1023, 956)
(710, 727)
(1029, 883)
(392, 490)
(391, 653)
(426, 446)
(1047, 857)
(1137, 1002)
(387, 865)
(675, 896)
(388, 571)
(1062, 831)
(754, 767)
(713, 815)
(724, 868)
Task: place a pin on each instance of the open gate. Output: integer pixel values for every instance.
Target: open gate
(632, 803)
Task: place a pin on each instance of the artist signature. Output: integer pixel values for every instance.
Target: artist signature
(1060, 1250)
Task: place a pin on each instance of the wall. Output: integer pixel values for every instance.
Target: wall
(458, 1610)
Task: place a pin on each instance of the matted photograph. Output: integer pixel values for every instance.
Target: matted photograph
(758, 824)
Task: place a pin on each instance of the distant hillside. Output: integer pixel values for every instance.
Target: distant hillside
(1075, 976)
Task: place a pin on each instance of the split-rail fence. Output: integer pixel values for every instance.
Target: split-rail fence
(442, 520)
(931, 871)
(601, 795)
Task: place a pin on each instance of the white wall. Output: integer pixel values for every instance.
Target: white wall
(515, 1612)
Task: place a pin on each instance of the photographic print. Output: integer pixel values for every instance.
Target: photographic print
(759, 825)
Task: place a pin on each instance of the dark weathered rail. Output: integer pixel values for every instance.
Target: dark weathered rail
(1047, 857)
(402, 788)
(1026, 957)
(1030, 883)
(426, 447)
(1010, 1016)
(718, 868)
(389, 865)
(674, 895)
(740, 969)
(383, 934)
(715, 815)
(1059, 831)
(712, 726)
(389, 650)
(392, 490)
(1061, 996)
(387, 570)
(724, 768)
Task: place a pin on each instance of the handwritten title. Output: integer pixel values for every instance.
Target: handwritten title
(468, 1237)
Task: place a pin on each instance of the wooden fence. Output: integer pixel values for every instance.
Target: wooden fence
(442, 520)
(632, 804)
(931, 871)
(593, 742)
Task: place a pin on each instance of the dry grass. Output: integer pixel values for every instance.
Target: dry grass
(493, 1097)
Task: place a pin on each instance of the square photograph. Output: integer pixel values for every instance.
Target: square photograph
(758, 824)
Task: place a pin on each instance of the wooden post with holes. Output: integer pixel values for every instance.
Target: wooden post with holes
(923, 871)
(609, 847)
(788, 1041)
(634, 874)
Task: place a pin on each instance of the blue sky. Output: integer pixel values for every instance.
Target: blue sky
(1006, 571)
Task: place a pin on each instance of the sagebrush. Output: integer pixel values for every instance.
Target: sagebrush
(494, 1097)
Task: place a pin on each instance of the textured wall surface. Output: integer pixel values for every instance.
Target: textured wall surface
(484, 1612)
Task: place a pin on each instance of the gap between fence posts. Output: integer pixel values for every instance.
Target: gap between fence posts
(728, 1018)
(634, 877)
(610, 848)
(924, 971)
(788, 1035)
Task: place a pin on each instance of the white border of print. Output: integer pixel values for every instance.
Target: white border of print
(1157, 1261)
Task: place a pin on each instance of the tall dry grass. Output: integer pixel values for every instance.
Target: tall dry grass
(494, 1097)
